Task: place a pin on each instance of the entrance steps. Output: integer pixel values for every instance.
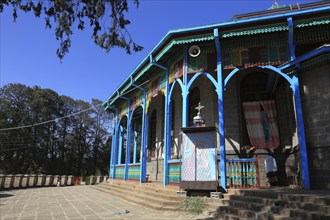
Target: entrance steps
(151, 195)
(263, 204)
(273, 204)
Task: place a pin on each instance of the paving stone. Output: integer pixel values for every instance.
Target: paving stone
(92, 217)
(75, 203)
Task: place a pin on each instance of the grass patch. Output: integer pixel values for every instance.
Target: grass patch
(194, 205)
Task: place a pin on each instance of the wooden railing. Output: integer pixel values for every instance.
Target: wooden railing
(120, 171)
(174, 172)
(134, 171)
(243, 173)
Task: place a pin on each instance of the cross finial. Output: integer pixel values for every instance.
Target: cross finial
(199, 107)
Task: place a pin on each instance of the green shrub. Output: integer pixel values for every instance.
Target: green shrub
(194, 205)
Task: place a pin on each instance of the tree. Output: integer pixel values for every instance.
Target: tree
(106, 18)
(14, 111)
(100, 132)
(74, 145)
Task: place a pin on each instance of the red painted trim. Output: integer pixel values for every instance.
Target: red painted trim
(176, 163)
(133, 180)
(173, 184)
(252, 65)
(134, 165)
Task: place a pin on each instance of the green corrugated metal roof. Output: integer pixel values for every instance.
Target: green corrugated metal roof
(143, 71)
(312, 34)
(137, 71)
(313, 23)
(167, 48)
(256, 31)
(194, 39)
(199, 38)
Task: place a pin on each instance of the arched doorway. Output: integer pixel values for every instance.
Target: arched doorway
(155, 142)
(267, 122)
(122, 141)
(136, 142)
(176, 121)
(255, 97)
(152, 141)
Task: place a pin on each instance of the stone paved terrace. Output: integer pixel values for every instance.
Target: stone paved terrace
(76, 202)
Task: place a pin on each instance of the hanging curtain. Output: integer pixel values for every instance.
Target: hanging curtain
(270, 109)
(254, 124)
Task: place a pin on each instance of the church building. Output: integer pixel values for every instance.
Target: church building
(260, 81)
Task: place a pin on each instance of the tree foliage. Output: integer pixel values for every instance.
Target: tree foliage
(106, 18)
(75, 145)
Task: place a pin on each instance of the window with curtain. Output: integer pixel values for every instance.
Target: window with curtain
(261, 124)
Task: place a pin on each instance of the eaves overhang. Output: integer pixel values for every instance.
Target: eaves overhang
(321, 50)
(170, 39)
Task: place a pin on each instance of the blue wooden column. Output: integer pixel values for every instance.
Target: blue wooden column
(167, 131)
(185, 107)
(112, 153)
(120, 144)
(219, 90)
(113, 145)
(169, 134)
(128, 148)
(143, 149)
(128, 140)
(135, 135)
(144, 133)
(301, 132)
(290, 39)
(299, 113)
(185, 91)
(116, 148)
(144, 141)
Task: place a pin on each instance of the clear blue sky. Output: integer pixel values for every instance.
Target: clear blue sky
(28, 50)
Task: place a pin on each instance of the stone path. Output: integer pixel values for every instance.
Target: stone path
(76, 202)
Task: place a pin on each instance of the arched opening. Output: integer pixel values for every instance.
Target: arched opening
(136, 135)
(255, 96)
(122, 140)
(194, 99)
(152, 134)
(176, 121)
(202, 91)
(260, 120)
(155, 111)
(155, 143)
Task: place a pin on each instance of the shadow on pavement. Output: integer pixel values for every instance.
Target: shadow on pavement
(5, 195)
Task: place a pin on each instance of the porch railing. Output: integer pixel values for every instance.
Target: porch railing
(120, 171)
(243, 173)
(134, 171)
(174, 172)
